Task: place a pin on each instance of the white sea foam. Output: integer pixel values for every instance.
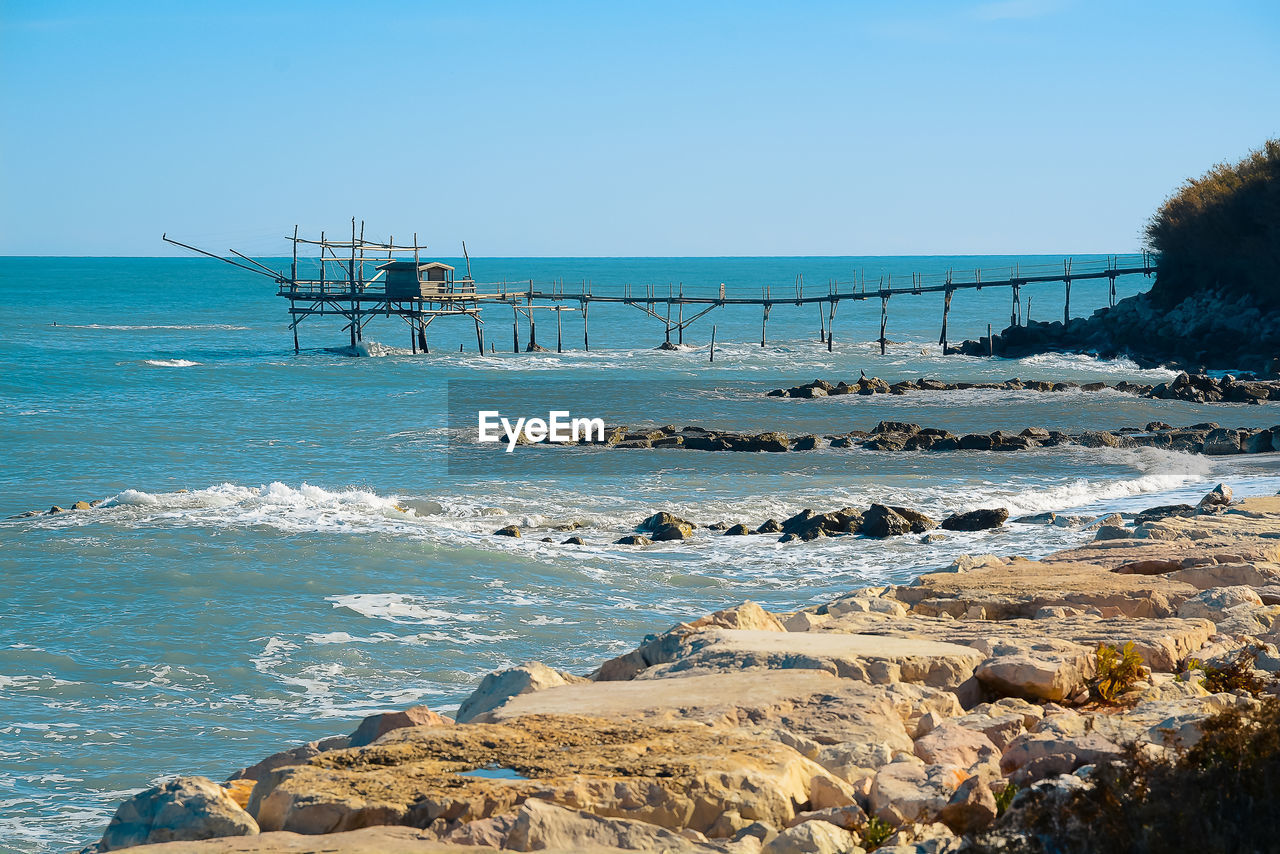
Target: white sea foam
(172, 363)
(400, 608)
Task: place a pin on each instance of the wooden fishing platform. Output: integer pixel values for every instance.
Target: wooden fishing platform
(359, 280)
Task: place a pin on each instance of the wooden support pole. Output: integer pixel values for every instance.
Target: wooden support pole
(586, 341)
(1066, 308)
(533, 334)
(479, 336)
(295, 333)
(831, 325)
(515, 329)
(764, 324)
(680, 319)
(413, 338)
(713, 343)
(822, 324)
(884, 321)
(668, 321)
(422, 337)
(559, 332)
(946, 311)
(293, 268)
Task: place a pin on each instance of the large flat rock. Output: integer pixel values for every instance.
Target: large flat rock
(868, 658)
(1020, 588)
(370, 840)
(676, 776)
(847, 726)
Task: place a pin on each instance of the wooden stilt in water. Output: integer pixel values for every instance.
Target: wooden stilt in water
(713, 343)
(479, 336)
(764, 324)
(1066, 308)
(559, 332)
(586, 342)
(295, 339)
(680, 319)
(413, 338)
(946, 310)
(668, 339)
(515, 329)
(884, 321)
(1014, 306)
(831, 325)
(422, 337)
(533, 334)
(822, 324)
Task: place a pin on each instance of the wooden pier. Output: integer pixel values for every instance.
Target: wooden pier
(359, 280)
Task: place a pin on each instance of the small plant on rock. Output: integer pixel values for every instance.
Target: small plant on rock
(1005, 798)
(1236, 675)
(1118, 671)
(876, 832)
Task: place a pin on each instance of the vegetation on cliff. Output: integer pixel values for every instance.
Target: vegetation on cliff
(1221, 231)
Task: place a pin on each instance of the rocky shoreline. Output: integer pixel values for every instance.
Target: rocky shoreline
(1204, 438)
(944, 715)
(1194, 388)
(1208, 329)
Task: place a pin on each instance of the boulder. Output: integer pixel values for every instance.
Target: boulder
(913, 791)
(950, 743)
(737, 531)
(1219, 496)
(508, 531)
(662, 520)
(976, 520)
(633, 540)
(498, 687)
(1048, 669)
(813, 837)
(972, 807)
(884, 521)
(293, 756)
(673, 531)
(540, 825)
(770, 526)
(1059, 744)
(660, 648)
(185, 808)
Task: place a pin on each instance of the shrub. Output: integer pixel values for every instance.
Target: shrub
(1222, 231)
(1118, 671)
(1236, 675)
(875, 833)
(1218, 797)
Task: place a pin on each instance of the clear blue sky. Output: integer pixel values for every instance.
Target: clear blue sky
(648, 128)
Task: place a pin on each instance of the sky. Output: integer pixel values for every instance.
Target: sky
(622, 129)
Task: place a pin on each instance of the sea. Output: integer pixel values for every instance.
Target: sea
(288, 542)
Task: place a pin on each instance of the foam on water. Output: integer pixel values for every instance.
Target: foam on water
(171, 363)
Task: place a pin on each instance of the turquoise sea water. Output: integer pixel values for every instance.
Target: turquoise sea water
(284, 546)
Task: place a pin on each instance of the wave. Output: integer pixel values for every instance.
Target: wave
(172, 363)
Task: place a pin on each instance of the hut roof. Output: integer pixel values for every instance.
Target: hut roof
(409, 265)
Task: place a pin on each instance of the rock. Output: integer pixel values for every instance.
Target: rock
(1222, 442)
(1059, 744)
(770, 526)
(633, 540)
(81, 505)
(676, 776)
(540, 825)
(1019, 588)
(976, 520)
(884, 521)
(574, 541)
(1219, 496)
(185, 808)
(1235, 610)
(498, 687)
(868, 658)
(660, 648)
(912, 791)
(508, 531)
(737, 531)
(369, 840)
(1256, 575)
(813, 837)
(806, 443)
(949, 743)
(662, 520)
(1050, 669)
(674, 531)
(1112, 532)
(293, 756)
(849, 817)
(56, 509)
